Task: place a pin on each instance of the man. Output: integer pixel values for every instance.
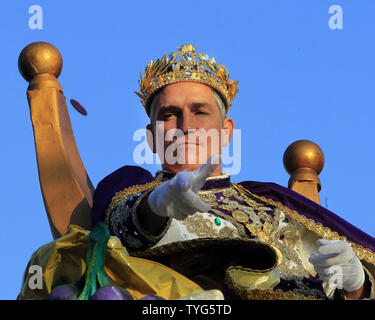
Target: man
(322, 255)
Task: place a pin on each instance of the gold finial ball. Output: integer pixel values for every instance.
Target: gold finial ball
(303, 154)
(38, 58)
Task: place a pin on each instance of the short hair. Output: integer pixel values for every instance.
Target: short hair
(219, 102)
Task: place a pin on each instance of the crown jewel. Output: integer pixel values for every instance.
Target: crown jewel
(168, 70)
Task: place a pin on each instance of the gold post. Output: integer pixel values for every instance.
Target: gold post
(66, 188)
(304, 160)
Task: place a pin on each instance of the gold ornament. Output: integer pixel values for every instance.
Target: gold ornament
(240, 216)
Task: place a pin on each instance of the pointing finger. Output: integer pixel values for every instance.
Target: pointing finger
(182, 181)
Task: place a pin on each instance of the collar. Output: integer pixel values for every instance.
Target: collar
(216, 182)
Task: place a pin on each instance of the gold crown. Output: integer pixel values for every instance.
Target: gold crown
(167, 70)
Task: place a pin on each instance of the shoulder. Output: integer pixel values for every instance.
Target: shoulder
(116, 181)
(123, 177)
(316, 215)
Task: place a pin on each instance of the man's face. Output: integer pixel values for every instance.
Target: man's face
(187, 126)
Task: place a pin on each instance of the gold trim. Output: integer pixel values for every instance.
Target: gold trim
(127, 192)
(204, 227)
(241, 229)
(265, 231)
(325, 232)
(240, 216)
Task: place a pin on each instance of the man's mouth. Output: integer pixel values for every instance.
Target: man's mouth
(183, 143)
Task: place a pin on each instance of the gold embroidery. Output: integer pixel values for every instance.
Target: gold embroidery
(325, 232)
(203, 227)
(132, 190)
(240, 216)
(241, 229)
(270, 232)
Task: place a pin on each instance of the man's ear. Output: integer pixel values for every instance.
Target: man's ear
(150, 137)
(227, 134)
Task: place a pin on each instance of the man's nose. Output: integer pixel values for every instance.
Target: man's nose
(186, 123)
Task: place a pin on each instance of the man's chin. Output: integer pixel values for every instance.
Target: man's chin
(178, 167)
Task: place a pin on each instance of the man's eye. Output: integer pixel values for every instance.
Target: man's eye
(200, 112)
(167, 116)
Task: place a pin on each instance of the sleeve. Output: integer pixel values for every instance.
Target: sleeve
(122, 221)
(117, 181)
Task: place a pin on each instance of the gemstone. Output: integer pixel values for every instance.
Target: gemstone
(205, 57)
(217, 222)
(187, 56)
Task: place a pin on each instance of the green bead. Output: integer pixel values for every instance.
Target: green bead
(217, 222)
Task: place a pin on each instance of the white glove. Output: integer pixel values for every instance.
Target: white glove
(177, 198)
(350, 274)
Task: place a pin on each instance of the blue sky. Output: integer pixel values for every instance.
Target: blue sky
(298, 79)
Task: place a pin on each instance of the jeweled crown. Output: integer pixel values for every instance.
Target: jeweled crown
(168, 70)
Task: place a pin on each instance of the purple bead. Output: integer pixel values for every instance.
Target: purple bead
(63, 292)
(111, 293)
(152, 298)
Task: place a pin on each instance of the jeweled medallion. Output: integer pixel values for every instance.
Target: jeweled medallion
(240, 216)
